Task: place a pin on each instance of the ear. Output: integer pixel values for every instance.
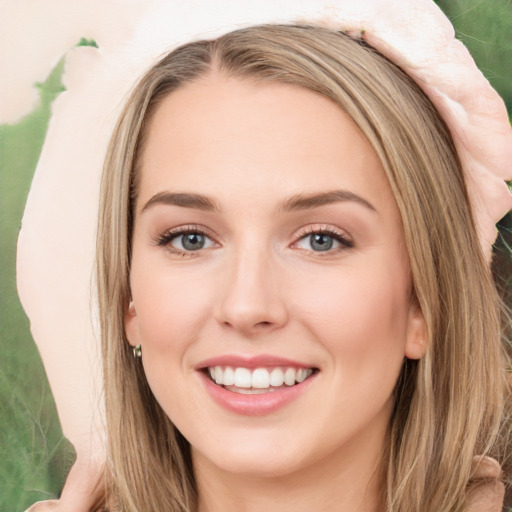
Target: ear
(417, 334)
(131, 325)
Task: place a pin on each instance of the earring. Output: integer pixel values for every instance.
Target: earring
(137, 351)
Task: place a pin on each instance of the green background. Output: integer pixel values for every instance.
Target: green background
(34, 456)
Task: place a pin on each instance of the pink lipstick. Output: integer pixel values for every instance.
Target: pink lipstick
(255, 385)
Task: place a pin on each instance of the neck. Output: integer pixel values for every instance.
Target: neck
(349, 481)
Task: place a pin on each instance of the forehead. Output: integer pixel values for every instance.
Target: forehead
(223, 136)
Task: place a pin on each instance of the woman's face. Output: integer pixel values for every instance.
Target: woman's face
(268, 246)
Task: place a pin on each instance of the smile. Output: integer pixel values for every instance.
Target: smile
(257, 380)
(255, 385)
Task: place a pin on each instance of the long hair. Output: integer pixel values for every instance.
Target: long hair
(449, 406)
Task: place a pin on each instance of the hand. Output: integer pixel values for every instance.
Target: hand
(489, 496)
(81, 491)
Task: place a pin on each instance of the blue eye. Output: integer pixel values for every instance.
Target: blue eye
(323, 241)
(192, 241)
(186, 240)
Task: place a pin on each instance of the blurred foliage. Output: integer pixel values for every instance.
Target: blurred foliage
(88, 42)
(34, 455)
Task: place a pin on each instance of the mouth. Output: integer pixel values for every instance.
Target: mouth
(256, 385)
(254, 381)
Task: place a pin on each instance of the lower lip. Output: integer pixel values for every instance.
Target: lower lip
(255, 405)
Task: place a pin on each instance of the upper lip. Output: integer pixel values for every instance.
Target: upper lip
(260, 361)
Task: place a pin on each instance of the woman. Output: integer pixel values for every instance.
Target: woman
(246, 221)
(294, 301)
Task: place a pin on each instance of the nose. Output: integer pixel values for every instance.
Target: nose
(251, 299)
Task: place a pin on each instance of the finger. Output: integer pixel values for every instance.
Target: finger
(485, 467)
(487, 498)
(489, 494)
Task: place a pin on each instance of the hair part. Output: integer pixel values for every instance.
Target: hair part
(448, 406)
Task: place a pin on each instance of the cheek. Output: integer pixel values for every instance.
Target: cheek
(172, 309)
(171, 306)
(362, 324)
(361, 318)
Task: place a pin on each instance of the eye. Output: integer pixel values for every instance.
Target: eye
(324, 241)
(185, 240)
(190, 241)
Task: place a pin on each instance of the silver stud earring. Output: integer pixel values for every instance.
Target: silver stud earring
(137, 351)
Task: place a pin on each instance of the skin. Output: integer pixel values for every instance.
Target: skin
(79, 493)
(257, 287)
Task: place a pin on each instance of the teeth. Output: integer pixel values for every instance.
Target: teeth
(259, 378)
(242, 377)
(218, 375)
(301, 375)
(276, 377)
(289, 376)
(229, 377)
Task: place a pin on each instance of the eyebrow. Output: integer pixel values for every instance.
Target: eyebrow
(294, 203)
(185, 200)
(306, 202)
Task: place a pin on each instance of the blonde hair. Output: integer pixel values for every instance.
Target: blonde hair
(449, 405)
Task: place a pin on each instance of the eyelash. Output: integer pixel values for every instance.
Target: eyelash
(165, 239)
(344, 241)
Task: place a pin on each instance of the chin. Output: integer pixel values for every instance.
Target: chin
(251, 457)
